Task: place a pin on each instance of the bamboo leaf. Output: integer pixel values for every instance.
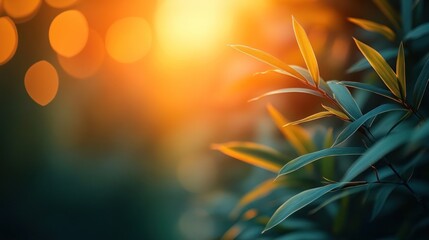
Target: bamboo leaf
(400, 71)
(363, 64)
(296, 135)
(337, 113)
(306, 159)
(306, 50)
(417, 32)
(369, 88)
(380, 200)
(374, 27)
(297, 202)
(389, 12)
(380, 149)
(268, 59)
(288, 90)
(254, 154)
(345, 99)
(381, 67)
(420, 86)
(354, 126)
(310, 118)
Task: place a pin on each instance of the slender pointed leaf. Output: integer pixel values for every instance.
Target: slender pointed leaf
(305, 73)
(380, 200)
(345, 99)
(374, 27)
(354, 126)
(381, 67)
(342, 194)
(417, 32)
(296, 135)
(306, 50)
(389, 12)
(254, 154)
(407, 15)
(363, 64)
(336, 112)
(268, 59)
(400, 70)
(303, 160)
(297, 202)
(369, 88)
(288, 90)
(310, 118)
(380, 149)
(420, 86)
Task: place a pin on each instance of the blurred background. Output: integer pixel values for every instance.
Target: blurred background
(109, 108)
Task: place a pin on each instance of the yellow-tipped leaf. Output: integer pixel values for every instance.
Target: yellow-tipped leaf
(254, 154)
(336, 112)
(381, 67)
(374, 27)
(400, 70)
(268, 59)
(298, 137)
(306, 50)
(311, 118)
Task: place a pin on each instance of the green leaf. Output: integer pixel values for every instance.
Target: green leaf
(307, 235)
(400, 71)
(417, 32)
(297, 202)
(364, 64)
(345, 99)
(342, 194)
(369, 88)
(288, 90)
(380, 149)
(354, 126)
(381, 67)
(380, 200)
(420, 86)
(407, 15)
(268, 59)
(254, 154)
(297, 136)
(374, 27)
(389, 12)
(303, 160)
(306, 50)
(310, 118)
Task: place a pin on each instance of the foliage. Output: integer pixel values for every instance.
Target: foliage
(381, 154)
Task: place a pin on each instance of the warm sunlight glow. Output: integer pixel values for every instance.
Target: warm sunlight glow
(8, 39)
(128, 39)
(88, 61)
(60, 3)
(68, 33)
(189, 27)
(21, 10)
(41, 82)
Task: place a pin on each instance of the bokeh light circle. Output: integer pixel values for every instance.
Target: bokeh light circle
(68, 33)
(8, 39)
(61, 3)
(88, 61)
(41, 82)
(128, 39)
(21, 10)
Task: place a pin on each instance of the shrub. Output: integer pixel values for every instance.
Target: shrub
(371, 179)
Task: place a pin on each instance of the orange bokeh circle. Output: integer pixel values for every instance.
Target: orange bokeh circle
(21, 10)
(8, 39)
(61, 3)
(68, 33)
(41, 82)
